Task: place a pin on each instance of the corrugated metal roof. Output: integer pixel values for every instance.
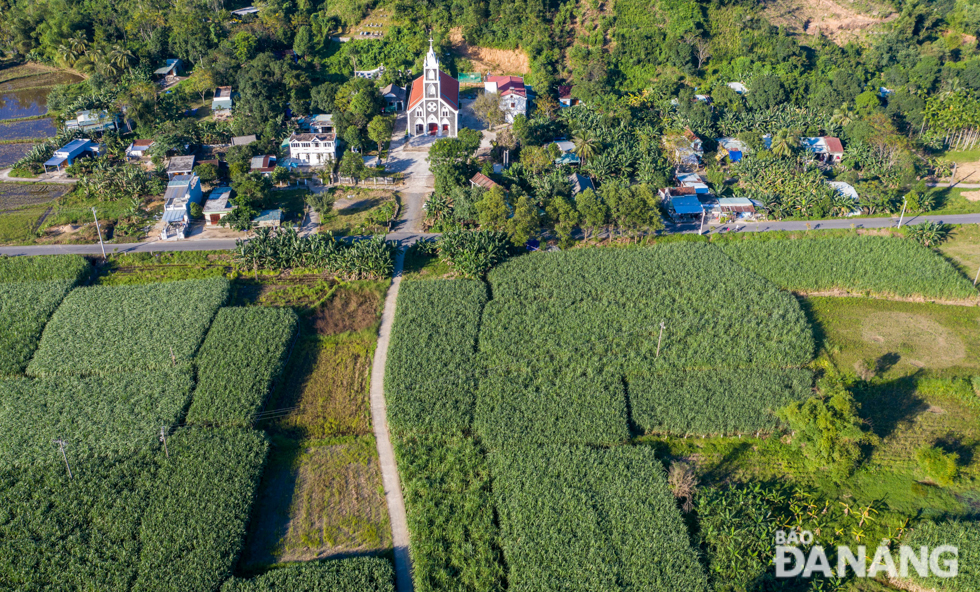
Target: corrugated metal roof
(686, 204)
(171, 216)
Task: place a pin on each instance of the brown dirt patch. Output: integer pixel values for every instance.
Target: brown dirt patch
(971, 195)
(487, 59)
(325, 389)
(918, 339)
(347, 310)
(839, 20)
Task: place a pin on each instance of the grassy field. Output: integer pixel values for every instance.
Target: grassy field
(322, 493)
(951, 201)
(892, 340)
(17, 226)
(963, 249)
(354, 209)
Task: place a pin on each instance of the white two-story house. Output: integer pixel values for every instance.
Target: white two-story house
(513, 94)
(313, 149)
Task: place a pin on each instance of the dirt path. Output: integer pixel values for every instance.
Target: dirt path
(386, 453)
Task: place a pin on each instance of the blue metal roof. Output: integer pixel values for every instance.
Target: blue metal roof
(686, 204)
(55, 161)
(74, 148)
(171, 216)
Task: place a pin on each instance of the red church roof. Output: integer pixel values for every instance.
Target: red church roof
(448, 84)
(509, 85)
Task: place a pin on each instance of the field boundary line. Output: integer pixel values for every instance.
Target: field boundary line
(386, 452)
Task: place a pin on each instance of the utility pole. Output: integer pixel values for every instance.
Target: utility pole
(163, 439)
(173, 358)
(99, 230)
(660, 338)
(701, 230)
(902, 217)
(976, 278)
(61, 445)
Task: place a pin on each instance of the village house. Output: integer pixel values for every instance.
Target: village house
(738, 87)
(687, 148)
(138, 149)
(264, 164)
(182, 191)
(580, 183)
(567, 154)
(433, 107)
(565, 98)
(169, 73)
(221, 103)
(243, 12)
(93, 121)
(180, 165)
(827, 149)
(692, 181)
(512, 93)
(317, 124)
(65, 156)
(313, 149)
(394, 97)
(731, 148)
(217, 206)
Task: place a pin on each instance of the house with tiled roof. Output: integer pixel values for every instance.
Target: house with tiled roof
(827, 149)
(565, 98)
(481, 180)
(433, 105)
(512, 92)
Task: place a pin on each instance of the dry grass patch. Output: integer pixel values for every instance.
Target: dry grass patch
(339, 506)
(963, 248)
(488, 59)
(840, 20)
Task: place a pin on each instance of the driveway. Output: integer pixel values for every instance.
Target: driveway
(58, 178)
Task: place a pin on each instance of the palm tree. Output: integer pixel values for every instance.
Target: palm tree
(782, 143)
(120, 56)
(585, 145)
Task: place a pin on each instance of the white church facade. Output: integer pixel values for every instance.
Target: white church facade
(433, 105)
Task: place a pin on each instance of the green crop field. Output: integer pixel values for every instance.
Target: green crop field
(575, 518)
(243, 353)
(99, 417)
(357, 574)
(108, 329)
(24, 311)
(888, 266)
(429, 377)
(39, 269)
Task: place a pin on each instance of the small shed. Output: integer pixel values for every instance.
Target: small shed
(180, 165)
(92, 120)
(580, 183)
(66, 155)
(169, 71)
(742, 206)
(270, 218)
(243, 12)
(827, 149)
(481, 180)
(222, 99)
(138, 149)
(264, 164)
(692, 180)
(738, 87)
(243, 140)
(732, 148)
(565, 98)
(217, 206)
(394, 97)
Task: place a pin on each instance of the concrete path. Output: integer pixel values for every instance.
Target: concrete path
(58, 178)
(835, 223)
(386, 453)
(956, 185)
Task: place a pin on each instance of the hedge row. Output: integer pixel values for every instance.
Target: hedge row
(877, 264)
(41, 269)
(145, 522)
(244, 351)
(24, 311)
(431, 373)
(96, 416)
(358, 574)
(572, 407)
(110, 329)
(455, 544)
(578, 518)
(716, 402)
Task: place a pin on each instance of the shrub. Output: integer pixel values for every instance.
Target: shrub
(450, 514)
(965, 536)
(194, 525)
(725, 402)
(473, 254)
(40, 269)
(372, 258)
(430, 376)
(940, 466)
(26, 309)
(577, 518)
(877, 264)
(243, 353)
(97, 416)
(109, 329)
(356, 574)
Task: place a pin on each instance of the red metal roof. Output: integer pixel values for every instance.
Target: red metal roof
(483, 181)
(834, 145)
(509, 85)
(449, 87)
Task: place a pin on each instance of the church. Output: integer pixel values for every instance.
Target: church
(433, 105)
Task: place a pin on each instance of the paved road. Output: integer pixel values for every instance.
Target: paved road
(386, 453)
(836, 223)
(957, 185)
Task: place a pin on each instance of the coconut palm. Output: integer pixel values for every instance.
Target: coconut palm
(120, 56)
(782, 143)
(586, 145)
